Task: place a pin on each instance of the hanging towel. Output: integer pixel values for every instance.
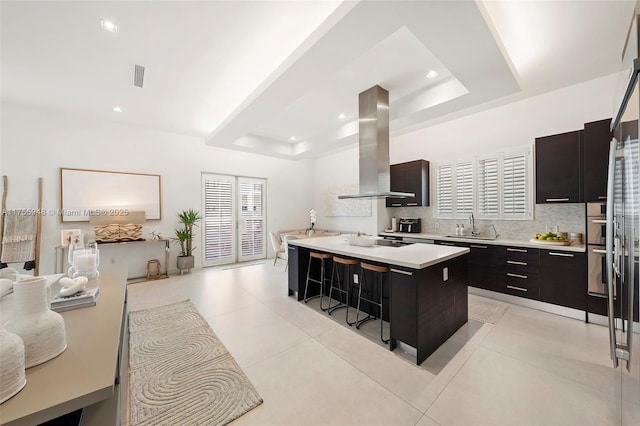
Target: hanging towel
(19, 239)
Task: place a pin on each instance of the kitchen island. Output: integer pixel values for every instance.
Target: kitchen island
(426, 289)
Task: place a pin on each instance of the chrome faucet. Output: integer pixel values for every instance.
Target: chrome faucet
(495, 233)
(472, 221)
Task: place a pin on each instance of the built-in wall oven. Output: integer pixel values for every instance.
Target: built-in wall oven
(596, 249)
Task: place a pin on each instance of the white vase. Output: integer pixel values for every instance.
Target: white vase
(12, 374)
(41, 329)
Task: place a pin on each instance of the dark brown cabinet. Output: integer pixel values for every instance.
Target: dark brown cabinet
(559, 168)
(519, 272)
(428, 305)
(563, 278)
(483, 264)
(412, 177)
(597, 137)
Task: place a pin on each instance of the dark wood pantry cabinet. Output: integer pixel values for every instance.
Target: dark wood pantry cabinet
(559, 168)
(597, 138)
(413, 177)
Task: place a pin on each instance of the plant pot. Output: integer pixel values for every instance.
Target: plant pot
(185, 263)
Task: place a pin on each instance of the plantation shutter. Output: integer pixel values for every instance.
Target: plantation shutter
(444, 190)
(464, 189)
(488, 191)
(252, 215)
(218, 218)
(514, 182)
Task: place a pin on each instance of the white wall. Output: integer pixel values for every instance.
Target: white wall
(36, 142)
(512, 125)
(499, 129)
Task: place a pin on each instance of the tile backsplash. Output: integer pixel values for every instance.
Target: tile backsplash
(568, 218)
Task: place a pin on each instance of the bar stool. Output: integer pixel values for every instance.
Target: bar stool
(343, 288)
(369, 290)
(321, 257)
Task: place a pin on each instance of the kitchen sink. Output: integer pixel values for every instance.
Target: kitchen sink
(473, 237)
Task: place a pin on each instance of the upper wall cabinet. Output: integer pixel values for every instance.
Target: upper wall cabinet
(559, 173)
(413, 177)
(597, 138)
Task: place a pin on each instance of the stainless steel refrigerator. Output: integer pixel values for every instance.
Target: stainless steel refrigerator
(622, 232)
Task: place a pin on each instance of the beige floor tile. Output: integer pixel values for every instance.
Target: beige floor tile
(427, 421)
(255, 333)
(493, 389)
(310, 385)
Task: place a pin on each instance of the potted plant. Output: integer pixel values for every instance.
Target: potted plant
(184, 237)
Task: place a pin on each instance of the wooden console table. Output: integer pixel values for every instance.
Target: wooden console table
(60, 259)
(87, 373)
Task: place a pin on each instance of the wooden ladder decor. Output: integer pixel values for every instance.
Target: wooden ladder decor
(5, 191)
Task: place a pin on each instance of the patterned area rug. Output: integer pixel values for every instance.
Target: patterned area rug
(485, 310)
(180, 372)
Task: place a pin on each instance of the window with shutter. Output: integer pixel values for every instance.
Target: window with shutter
(218, 220)
(514, 182)
(492, 187)
(464, 189)
(444, 190)
(488, 190)
(234, 219)
(252, 235)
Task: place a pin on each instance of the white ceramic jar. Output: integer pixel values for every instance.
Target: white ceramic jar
(41, 329)
(12, 377)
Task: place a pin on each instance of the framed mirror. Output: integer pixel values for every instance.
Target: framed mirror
(86, 192)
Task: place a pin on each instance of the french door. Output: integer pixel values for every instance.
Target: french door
(234, 219)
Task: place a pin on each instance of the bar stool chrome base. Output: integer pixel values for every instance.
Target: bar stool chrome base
(348, 263)
(378, 270)
(321, 257)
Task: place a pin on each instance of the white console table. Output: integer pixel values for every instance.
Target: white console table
(60, 256)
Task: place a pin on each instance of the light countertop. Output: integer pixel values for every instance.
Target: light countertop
(414, 256)
(581, 248)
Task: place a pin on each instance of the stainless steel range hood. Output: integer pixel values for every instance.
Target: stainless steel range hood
(373, 144)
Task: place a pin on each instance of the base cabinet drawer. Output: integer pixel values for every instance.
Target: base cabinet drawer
(518, 283)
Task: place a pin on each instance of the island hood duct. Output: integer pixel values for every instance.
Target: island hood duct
(373, 145)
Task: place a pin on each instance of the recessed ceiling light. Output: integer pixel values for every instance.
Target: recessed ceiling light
(109, 26)
(432, 74)
(341, 116)
(293, 138)
(117, 109)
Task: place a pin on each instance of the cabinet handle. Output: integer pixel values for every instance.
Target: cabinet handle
(556, 199)
(552, 253)
(514, 262)
(401, 272)
(480, 247)
(396, 204)
(602, 197)
(292, 248)
(412, 204)
(512, 287)
(599, 251)
(518, 250)
(509, 274)
(603, 221)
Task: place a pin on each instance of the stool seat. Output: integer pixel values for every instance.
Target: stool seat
(376, 268)
(345, 261)
(370, 291)
(343, 288)
(322, 257)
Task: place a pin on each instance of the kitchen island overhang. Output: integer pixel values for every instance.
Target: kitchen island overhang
(426, 288)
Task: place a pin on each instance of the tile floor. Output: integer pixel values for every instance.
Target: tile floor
(529, 368)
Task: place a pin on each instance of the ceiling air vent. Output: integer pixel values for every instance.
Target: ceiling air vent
(138, 76)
